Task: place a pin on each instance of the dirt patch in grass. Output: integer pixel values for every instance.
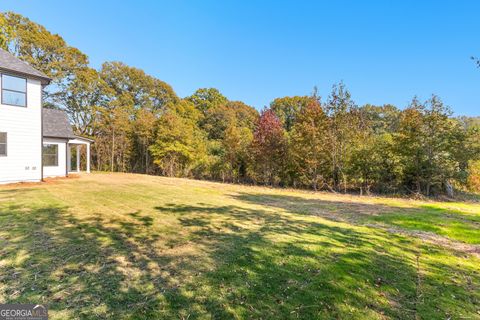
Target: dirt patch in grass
(46, 181)
(435, 239)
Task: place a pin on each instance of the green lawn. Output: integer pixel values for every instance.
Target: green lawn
(139, 247)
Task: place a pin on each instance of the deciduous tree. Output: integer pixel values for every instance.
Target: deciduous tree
(269, 148)
(287, 108)
(179, 145)
(308, 144)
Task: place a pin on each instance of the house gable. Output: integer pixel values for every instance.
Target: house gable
(9, 64)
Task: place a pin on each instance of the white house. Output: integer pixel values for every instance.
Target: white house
(34, 142)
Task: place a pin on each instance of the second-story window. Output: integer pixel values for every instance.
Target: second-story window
(14, 91)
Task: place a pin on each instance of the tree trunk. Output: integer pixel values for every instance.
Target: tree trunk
(449, 189)
(113, 150)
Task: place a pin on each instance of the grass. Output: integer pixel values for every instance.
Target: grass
(139, 247)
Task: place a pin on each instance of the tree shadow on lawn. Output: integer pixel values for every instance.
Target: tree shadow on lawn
(91, 268)
(224, 262)
(287, 267)
(454, 224)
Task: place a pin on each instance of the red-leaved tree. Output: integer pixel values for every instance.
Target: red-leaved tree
(269, 148)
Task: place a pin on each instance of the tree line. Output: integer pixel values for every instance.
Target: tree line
(140, 125)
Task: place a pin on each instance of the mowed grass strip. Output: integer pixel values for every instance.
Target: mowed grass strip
(130, 246)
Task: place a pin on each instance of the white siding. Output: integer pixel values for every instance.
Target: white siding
(60, 170)
(23, 127)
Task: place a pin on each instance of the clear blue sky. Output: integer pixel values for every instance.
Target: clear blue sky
(254, 51)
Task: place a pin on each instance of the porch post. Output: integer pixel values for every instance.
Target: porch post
(69, 158)
(88, 157)
(78, 158)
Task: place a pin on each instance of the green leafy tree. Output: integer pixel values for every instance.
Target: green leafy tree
(142, 90)
(245, 115)
(221, 120)
(380, 119)
(83, 96)
(429, 144)
(213, 106)
(236, 145)
(144, 98)
(179, 146)
(287, 108)
(308, 141)
(473, 179)
(43, 50)
(143, 137)
(472, 152)
(205, 99)
(6, 32)
(343, 124)
(112, 145)
(373, 164)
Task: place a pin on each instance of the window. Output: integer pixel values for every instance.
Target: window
(50, 155)
(3, 144)
(14, 91)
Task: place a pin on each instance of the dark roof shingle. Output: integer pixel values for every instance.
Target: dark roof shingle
(56, 124)
(11, 63)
